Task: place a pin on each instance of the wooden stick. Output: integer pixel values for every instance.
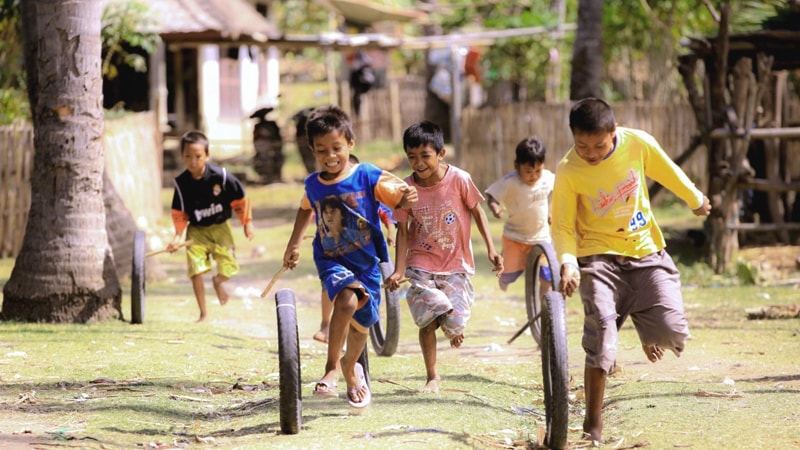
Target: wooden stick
(401, 281)
(272, 281)
(181, 245)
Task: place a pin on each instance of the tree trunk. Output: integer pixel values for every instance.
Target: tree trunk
(587, 54)
(65, 270)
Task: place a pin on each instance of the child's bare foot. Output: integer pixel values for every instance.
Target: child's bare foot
(593, 433)
(456, 341)
(432, 386)
(653, 352)
(222, 294)
(321, 336)
(200, 319)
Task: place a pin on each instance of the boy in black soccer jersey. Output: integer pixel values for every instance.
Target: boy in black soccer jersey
(205, 196)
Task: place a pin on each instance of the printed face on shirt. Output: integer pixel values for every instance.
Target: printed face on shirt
(529, 173)
(195, 158)
(332, 151)
(333, 218)
(594, 147)
(426, 164)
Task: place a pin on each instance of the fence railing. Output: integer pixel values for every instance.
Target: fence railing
(16, 161)
(490, 135)
(133, 164)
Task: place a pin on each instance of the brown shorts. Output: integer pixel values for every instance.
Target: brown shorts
(647, 289)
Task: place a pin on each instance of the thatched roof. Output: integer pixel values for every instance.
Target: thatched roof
(368, 12)
(210, 21)
(783, 45)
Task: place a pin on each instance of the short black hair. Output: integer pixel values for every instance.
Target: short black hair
(423, 133)
(531, 151)
(332, 202)
(194, 137)
(329, 119)
(592, 115)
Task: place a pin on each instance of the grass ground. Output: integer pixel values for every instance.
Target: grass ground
(171, 383)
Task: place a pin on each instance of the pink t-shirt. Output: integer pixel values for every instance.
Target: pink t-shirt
(440, 224)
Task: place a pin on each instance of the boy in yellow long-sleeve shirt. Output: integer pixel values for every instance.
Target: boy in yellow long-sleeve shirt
(610, 246)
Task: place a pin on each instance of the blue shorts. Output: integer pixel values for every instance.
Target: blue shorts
(336, 277)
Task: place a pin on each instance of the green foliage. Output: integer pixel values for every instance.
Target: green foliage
(14, 106)
(301, 17)
(787, 17)
(124, 28)
(517, 59)
(11, 63)
(747, 272)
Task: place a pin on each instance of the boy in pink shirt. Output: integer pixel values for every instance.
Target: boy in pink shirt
(434, 250)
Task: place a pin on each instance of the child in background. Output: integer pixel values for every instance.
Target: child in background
(525, 194)
(204, 197)
(349, 271)
(610, 246)
(434, 247)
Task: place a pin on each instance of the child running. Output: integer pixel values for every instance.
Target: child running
(204, 197)
(611, 248)
(525, 194)
(434, 250)
(343, 197)
(326, 306)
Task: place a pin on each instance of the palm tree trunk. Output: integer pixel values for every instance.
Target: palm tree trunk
(64, 272)
(587, 54)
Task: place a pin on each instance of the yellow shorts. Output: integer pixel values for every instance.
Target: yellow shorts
(213, 240)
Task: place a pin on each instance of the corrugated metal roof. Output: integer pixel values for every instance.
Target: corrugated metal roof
(210, 20)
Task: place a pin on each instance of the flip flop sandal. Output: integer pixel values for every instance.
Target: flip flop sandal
(329, 390)
(353, 392)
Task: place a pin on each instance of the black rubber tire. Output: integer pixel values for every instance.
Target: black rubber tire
(384, 340)
(555, 369)
(291, 402)
(364, 360)
(533, 294)
(138, 277)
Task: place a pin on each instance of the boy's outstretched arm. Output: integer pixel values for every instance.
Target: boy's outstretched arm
(483, 227)
(704, 209)
(410, 197)
(401, 257)
(244, 212)
(292, 254)
(495, 206)
(180, 220)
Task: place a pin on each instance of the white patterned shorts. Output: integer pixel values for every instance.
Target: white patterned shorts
(449, 296)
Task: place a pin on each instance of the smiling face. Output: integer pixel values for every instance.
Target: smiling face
(332, 151)
(426, 164)
(529, 173)
(195, 157)
(594, 147)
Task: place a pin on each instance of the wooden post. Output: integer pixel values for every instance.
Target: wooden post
(394, 99)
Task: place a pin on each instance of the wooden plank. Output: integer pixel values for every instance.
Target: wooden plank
(760, 184)
(756, 133)
(746, 227)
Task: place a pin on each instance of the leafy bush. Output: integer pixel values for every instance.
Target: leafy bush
(14, 107)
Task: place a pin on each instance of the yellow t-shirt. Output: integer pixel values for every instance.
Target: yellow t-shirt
(605, 209)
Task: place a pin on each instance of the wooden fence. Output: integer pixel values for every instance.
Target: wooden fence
(490, 135)
(133, 164)
(16, 161)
